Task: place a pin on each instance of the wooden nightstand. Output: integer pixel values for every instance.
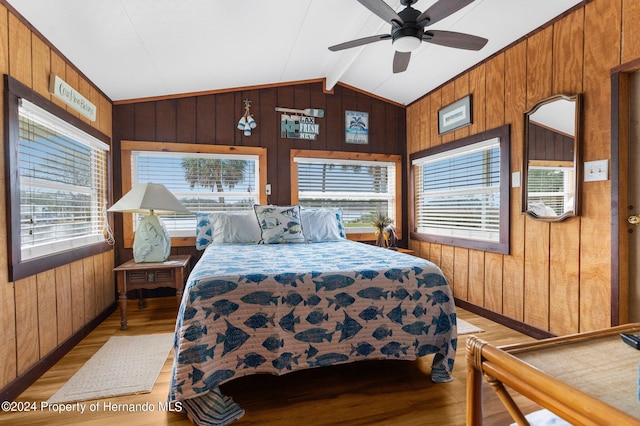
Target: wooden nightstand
(137, 276)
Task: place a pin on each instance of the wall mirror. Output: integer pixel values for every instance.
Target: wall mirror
(551, 169)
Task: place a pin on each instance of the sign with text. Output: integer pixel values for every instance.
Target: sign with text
(356, 127)
(299, 127)
(70, 96)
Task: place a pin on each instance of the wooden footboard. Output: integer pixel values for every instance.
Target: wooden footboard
(535, 371)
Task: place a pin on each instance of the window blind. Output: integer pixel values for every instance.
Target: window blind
(360, 188)
(63, 184)
(552, 187)
(458, 192)
(202, 182)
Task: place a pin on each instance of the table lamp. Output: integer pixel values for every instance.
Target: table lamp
(151, 242)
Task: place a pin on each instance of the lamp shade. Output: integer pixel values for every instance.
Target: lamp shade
(152, 242)
(146, 197)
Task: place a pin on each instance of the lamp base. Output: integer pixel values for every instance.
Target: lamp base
(152, 242)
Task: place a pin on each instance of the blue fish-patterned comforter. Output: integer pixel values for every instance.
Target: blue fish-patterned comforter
(250, 308)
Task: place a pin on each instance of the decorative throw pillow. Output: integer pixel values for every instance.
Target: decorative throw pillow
(322, 224)
(280, 224)
(204, 233)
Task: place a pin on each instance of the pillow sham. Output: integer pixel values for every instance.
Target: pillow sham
(279, 224)
(226, 228)
(235, 228)
(322, 224)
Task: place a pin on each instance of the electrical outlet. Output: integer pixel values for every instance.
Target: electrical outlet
(596, 170)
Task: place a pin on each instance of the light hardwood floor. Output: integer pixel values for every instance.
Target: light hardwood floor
(363, 393)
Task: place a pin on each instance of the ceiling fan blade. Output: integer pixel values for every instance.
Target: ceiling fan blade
(359, 42)
(383, 10)
(401, 61)
(441, 10)
(453, 39)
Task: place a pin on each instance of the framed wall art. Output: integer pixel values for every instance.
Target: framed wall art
(456, 115)
(356, 127)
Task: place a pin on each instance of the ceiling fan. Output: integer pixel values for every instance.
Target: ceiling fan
(408, 29)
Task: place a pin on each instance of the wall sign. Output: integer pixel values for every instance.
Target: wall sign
(70, 96)
(300, 123)
(356, 127)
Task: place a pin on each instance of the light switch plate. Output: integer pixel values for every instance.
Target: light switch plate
(596, 170)
(515, 180)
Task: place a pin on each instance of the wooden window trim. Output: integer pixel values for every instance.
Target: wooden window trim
(344, 155)
(17, 268)
(128, 146)
(502, 246)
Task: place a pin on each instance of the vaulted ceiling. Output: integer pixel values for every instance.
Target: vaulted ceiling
(134, 49)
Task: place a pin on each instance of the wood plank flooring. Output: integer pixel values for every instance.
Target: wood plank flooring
(363, 393)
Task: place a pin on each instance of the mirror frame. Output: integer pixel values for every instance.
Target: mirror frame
(577, 165)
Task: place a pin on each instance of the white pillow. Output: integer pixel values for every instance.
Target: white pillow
(235, 228)
(542, 210)
(322, 224)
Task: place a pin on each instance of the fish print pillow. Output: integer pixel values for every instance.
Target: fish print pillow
(280, 224)
(322, 224)
(204, 232)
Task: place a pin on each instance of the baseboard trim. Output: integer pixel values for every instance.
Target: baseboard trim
(26, 379)
(536, 333)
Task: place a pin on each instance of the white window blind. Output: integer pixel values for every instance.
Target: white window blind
(202, 182)
(458, 192)
(63, 184)
(551, 187)
(360, 188)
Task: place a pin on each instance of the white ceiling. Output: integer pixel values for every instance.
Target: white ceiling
(146, 48)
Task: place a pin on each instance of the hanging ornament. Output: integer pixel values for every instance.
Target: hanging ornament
(246, 122)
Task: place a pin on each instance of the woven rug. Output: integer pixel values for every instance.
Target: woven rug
(544, 418)
(466, 328)
(124, 365)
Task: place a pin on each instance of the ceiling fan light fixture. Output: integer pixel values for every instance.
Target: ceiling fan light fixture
(406, 43)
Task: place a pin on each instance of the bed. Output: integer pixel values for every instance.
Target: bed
(276, 308)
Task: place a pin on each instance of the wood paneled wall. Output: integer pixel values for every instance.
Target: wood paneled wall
(558, 275)
(212, 119)
(41, 312)
(548, 145)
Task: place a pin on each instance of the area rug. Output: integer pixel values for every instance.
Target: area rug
(544, 418)
(466, 328)
(124, 365)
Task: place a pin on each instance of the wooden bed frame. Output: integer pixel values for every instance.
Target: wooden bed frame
(501, 367)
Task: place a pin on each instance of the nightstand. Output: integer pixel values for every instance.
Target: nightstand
(138, 276)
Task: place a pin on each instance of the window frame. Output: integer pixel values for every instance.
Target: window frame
(18, 268)
(128, 146)
(353, 156)
(502, 245)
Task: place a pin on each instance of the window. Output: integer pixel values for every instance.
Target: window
(57, 168)
(204, 178)
(550, 188)
(62, 184)
(361, 184)
(461, 192)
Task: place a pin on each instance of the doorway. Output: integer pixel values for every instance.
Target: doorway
(633, 189)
